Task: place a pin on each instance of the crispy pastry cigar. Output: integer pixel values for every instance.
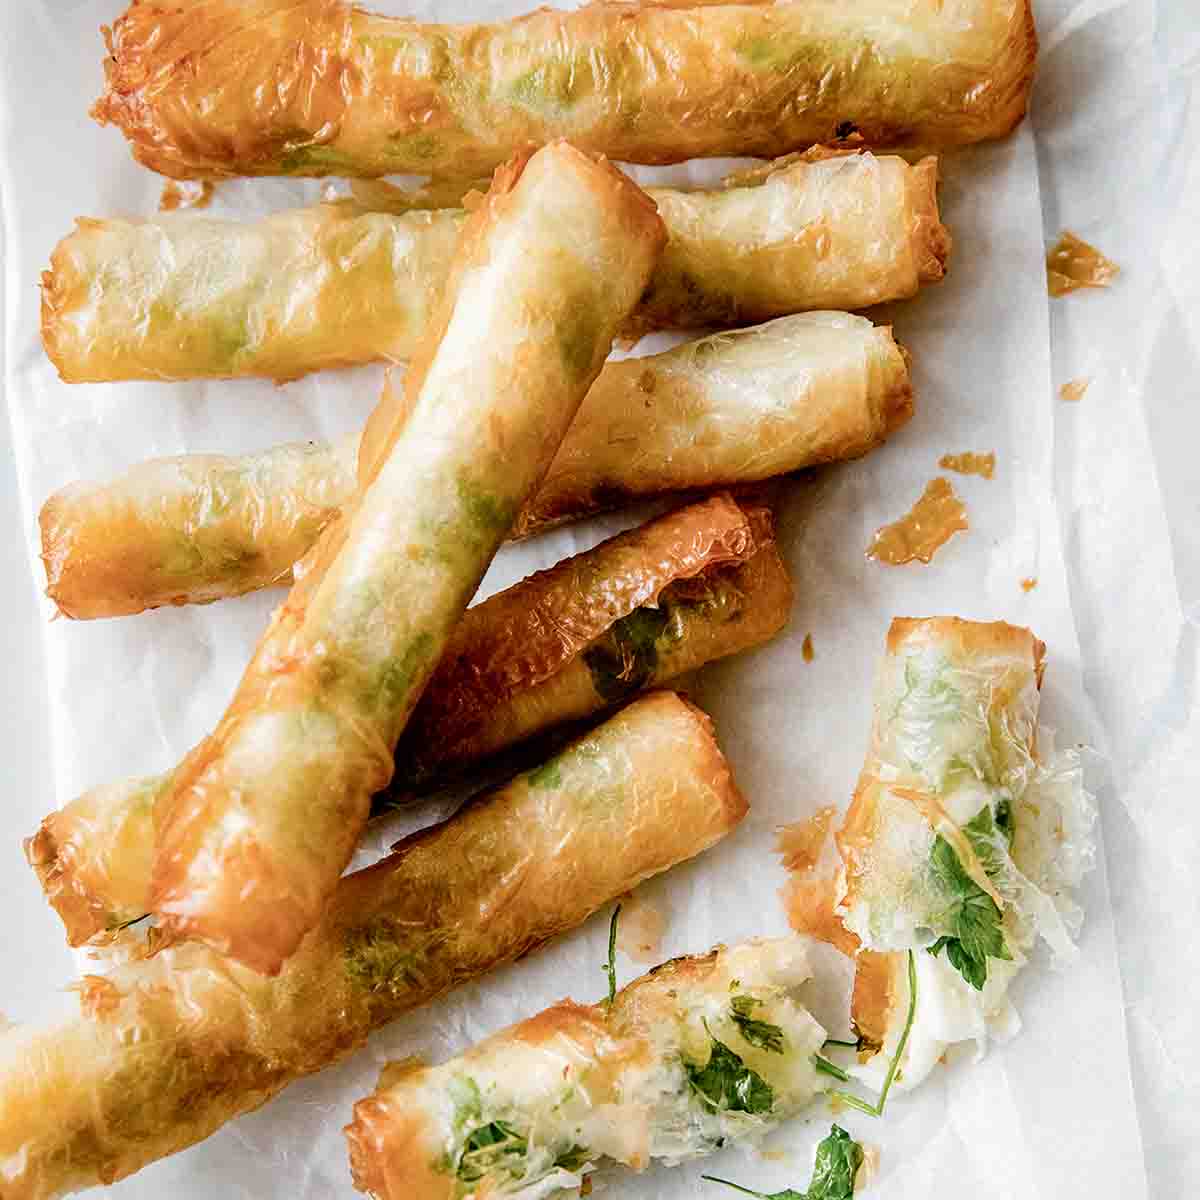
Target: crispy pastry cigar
(261, 818)
(638, 610)
(211, 88)
(963, 842)
(184, 295)
(729, 409)
(699, 1052)
(172, 1048)
(632, 613)
(192, 528)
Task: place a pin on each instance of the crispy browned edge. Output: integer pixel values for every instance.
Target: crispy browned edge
(931, 239)
(716, 766)
(998, 636)
(54, 293)
(55, 556)
(1023, 52)
(475, 674)
(78, 909)
(898, 402)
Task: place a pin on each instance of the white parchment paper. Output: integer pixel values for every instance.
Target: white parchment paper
(1096, 501)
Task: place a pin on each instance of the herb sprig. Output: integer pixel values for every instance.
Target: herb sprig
(839, 1157)
(758, 1033)
(876, 1109)
(727, 1084)
(973, 915)
(610, 968)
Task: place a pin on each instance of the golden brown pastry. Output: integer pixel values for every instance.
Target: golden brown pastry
(699, 1053)
(210, 88)
(729, 409)
(185, 295)
(167, 1050)
(631, 613)
(263, 815)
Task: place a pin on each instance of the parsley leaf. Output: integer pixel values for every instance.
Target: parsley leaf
(1004, 820)
(490, 1148)
(727, 1084)
(972, 915)
(610, 968)
(758, 1033)
(839, 1157)
(982, 831)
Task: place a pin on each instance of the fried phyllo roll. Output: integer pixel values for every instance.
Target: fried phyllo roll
(729, 409)
(631, 613)
(640, 609)
(964, 841)
(697, 1053)
(212, 88)
(261, 818)
(184, 295)
(191, 528)
(171, 1048)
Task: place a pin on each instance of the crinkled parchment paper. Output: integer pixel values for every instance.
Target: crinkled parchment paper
(1097, 501)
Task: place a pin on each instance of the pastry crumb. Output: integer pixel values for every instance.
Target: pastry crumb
(1074, 389)
(800, 844)
(935, 518)
(186, 193)
(1071, 264)
(969, 463)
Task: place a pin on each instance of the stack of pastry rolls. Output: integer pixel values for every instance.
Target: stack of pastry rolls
(374, 682)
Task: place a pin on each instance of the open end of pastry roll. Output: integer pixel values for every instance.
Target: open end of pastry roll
(966, 838)
(698, 1053)
(169, 1049)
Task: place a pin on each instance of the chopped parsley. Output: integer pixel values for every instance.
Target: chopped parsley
(490, 1149)
(984, 832)
(574, 1159)
(825, 1067)
(972, 915)
(623, 659)
(726, 1084)
(758, 1033)
(839, 1157)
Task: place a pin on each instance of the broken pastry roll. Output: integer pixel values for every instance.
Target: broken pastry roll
(964, 842)
(698, 1053)
(170, 1048)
